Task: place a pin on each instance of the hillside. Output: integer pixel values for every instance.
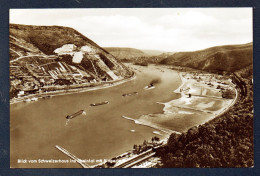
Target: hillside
(137, 56)
(53, 57)
(125, 53)
(234, 57)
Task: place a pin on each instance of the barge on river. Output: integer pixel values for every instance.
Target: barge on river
(129, 94)
(75, 114)
(98, 104)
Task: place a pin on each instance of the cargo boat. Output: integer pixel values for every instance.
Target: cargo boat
(97, 104)
(129, 94)
(75, 114)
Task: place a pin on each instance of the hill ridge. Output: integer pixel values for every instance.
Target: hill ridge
(48, 57)
(234, 57)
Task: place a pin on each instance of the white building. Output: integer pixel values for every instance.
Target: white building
(87, 49)
(65, 49)
(77, 58)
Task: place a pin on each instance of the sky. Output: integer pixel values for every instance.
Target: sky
(164, 29)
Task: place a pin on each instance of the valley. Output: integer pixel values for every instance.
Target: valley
(124, 97)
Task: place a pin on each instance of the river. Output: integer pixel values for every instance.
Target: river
(102, 133)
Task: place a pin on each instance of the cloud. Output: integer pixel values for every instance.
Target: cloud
(161, 29)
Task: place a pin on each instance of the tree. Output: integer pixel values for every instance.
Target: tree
(155, 139)
(145, 143)
(172, 141)
(135, 147)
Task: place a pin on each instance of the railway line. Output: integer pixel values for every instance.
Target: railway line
(130, 162)
(140, 158)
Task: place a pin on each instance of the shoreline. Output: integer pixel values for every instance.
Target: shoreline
(168, 131)
(217, 113)
(182, 82)
(214, 115)
(73, 90)
(165, 130)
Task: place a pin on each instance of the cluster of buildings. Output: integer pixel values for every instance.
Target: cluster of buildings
(36, 74)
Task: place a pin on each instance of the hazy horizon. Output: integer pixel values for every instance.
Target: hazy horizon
(162, 29)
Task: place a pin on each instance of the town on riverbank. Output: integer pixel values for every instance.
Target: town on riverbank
(63, 90)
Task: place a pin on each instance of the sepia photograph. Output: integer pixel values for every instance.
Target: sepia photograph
(131, 88)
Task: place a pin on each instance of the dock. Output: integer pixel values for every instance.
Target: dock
(72, 156)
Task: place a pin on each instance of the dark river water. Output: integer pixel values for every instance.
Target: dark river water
(102, 133)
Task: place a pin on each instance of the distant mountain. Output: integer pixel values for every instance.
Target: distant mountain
(138, 56)
(48, 57)
(128, 53)
(125, 53)
(153, 52)
(220, 58)
(215, 59)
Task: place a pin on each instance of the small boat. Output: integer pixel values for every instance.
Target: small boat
(98, 104)
(75, 114)
(150, 86)
(129, 94)
(34, 99)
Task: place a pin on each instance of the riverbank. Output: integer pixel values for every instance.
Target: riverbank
(189, 96)
(153, 162)
(164, 130)
(71, 91)
(200, 99)
(202, 94)
(227, 141)
(187, 88)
